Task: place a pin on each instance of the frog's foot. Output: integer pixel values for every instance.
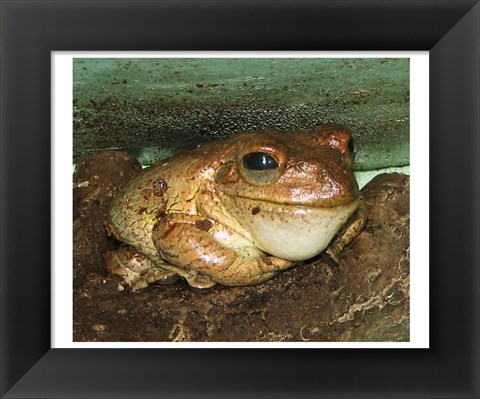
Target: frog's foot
(188, 242)
(137, 270)
(126, 262)
(352, 229)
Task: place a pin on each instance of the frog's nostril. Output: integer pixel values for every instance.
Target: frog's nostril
(327, 183)
(323, 176)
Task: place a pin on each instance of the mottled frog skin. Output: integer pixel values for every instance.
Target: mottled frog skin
(238, 211)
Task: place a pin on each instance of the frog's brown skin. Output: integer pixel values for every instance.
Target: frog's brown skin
(239, 210)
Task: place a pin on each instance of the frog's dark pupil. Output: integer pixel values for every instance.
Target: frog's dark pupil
(259, 161)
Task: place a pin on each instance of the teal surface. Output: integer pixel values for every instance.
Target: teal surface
(174, 104)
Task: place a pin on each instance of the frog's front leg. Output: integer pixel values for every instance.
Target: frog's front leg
(350, 231)
(193, 242)
(137, 270)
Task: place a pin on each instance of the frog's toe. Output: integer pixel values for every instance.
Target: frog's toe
(153, 275)
(331, 257)
(201, 290)
(168, 278)
(200, 283)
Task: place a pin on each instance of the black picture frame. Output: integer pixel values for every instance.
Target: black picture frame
(30, 30)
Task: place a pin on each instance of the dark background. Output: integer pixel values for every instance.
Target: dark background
(31, 29)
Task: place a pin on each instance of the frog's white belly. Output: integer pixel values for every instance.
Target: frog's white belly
(290, 232)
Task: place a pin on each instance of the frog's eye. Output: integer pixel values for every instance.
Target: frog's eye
(260, 168)
(351, 146)
(352, 151)
(259, 161)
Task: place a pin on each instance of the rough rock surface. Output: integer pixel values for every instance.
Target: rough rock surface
(366, 298)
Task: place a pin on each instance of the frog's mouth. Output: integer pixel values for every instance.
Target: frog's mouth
(293, 232)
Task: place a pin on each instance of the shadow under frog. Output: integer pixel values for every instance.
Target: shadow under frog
(238, 211)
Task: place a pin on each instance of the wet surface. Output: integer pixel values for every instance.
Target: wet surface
(176, 104)
(365, 298)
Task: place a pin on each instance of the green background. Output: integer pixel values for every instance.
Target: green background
(156, 107)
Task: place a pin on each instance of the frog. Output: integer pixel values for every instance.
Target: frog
(239, 210)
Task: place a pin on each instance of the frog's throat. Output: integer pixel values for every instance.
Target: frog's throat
(290, 232)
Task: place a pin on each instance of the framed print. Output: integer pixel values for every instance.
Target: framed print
(248, 314)
(71, 330)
